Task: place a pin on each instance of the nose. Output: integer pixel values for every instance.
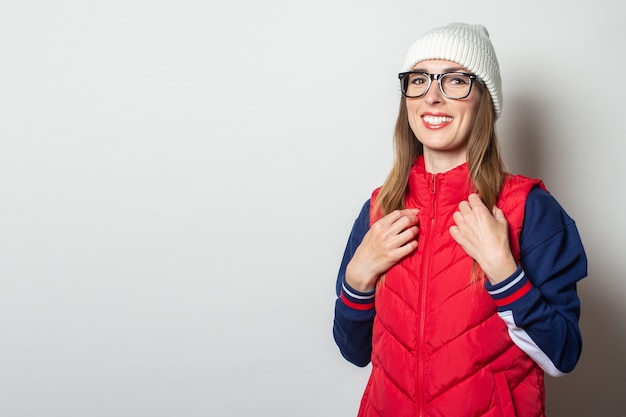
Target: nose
(433, 95)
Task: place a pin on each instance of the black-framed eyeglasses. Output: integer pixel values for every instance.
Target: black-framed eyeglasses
(454, 85)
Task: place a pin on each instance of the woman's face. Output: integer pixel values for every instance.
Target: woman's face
(441, 124)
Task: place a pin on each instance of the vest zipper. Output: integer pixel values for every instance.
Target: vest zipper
(422, 296)
(434, 192)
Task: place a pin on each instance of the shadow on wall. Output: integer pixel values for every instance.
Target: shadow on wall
(523, 141)
(597, 387)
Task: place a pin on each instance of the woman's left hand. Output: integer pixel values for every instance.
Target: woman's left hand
(484, 235)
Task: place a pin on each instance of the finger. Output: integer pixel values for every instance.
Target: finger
(499, 215)
(405, 249)
(405, 221)
(458, 218)
(465, 208)
(389, 218)
(407, 235)
(395, 215)
(476, 202)
(409, 247)
(402, 238)
(383, 227)
(456, 234)
(410, 213)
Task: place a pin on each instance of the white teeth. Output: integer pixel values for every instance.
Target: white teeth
(436, 120)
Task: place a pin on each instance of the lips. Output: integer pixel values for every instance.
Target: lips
(436, 121)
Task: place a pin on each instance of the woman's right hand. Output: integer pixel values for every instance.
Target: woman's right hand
(388, 241)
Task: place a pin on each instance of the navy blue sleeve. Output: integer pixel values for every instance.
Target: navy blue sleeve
(354, 310)
(540, 303)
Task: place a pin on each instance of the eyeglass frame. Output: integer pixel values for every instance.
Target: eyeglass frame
(436, 77)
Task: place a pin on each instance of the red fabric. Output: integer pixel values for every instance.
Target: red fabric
(439, 347)
(356, 306)
(514, 297)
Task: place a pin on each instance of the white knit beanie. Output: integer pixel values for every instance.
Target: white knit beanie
(467, 45)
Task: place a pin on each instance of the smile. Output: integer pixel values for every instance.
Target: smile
(436, 120)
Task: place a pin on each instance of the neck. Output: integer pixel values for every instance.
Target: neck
(436, 163)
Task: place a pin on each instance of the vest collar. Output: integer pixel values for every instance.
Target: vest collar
(449, 187)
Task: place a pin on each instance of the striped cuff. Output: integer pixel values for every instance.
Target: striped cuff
(510, 290)
(355, 299)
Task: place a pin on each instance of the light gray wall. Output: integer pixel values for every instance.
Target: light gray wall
(178, 179)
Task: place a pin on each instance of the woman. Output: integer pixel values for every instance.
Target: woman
(458, 281)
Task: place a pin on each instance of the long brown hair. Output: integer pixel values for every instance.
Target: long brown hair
(484, 159)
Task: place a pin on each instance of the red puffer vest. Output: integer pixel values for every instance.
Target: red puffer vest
(439, 347)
